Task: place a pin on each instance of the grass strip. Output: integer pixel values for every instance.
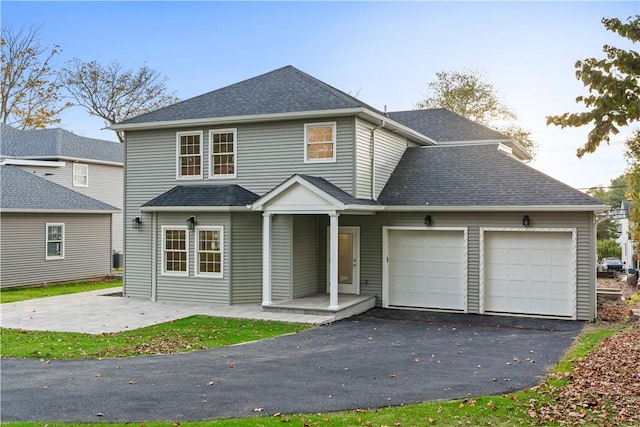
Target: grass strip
(188, 334)
(507, 410)
(22, 294)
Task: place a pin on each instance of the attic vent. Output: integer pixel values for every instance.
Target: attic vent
(505, 149)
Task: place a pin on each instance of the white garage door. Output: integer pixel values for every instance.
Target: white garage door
(528, 273)
(426, 269)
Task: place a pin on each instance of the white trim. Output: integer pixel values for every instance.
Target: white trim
(385, 260)
(574, 260)
(67, 211)
(163, 269)
(154, 257)
(69, 159)
(333, 264)
(73, 175)
(266, 259)
(195, 209)
(178, 136)
(355, 230)
(26, 162)
(296, 179)
(48, 257)
(500, 208)
(234, 131)
(334, 133)
(196, 252)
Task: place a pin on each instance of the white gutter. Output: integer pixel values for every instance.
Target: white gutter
(194, 209)
(70, 159)
(507, 208)
(23, 162)
(71, 211)
(373, 159)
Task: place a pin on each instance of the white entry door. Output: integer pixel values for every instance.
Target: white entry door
(348, 260)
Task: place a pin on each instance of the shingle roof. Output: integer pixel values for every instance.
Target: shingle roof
(475, 175)
(204, 195)
(23, 190)
(54, 143)
(335, 191)
(285, 90)
(444, 125)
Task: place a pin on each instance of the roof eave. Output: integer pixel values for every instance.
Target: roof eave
(66, 211)
(242, 208)
(501, 208)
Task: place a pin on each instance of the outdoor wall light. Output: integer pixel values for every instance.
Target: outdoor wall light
(135, 223)
(191, 222)
(526, 221)
(427, 220)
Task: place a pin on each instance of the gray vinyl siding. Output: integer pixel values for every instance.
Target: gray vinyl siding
(389, 148)
(305, 255)
(362, 170)
(105, 184)
(87, 249)
(281, 253)
(246, 258)
(371, 247)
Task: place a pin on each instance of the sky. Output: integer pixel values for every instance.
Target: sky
(385, 53)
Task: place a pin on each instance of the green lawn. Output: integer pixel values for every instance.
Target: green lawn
(21, 294)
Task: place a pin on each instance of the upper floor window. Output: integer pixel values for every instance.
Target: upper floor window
(209, 251)
(80, 175)
(55, 241)
(222, 147)
(175, 246)
(189, 150)
(320, 142)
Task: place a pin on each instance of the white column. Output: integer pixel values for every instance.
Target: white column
(333, 260)
(266, 259)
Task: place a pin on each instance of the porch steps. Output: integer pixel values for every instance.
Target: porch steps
(348, 305)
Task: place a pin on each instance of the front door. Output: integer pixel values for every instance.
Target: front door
(348, 260)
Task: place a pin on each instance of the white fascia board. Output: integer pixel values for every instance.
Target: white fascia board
(59, 211)
(396, 127)
(363, 208)
(194, 209)
(517, 148)
(531, 208)
(74, 159)
(28, 162)
(236, 119)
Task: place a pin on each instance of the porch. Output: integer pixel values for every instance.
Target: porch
(318, 304)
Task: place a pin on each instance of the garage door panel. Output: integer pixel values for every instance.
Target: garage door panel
(528, 273)
(435, 278)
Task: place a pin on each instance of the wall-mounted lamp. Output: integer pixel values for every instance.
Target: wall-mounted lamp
(191, 222)
(526, 221)
(135, 223)
(427, 220)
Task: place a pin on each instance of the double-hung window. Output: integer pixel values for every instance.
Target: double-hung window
(175, 257)
(320, 142)
(209, 251)
(80, 175)
(189, 153)
(55, 241)
(222, 148)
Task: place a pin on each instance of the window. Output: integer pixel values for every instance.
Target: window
(222, 146)
(174, 251)
(189, 148)
(209, 251)
(55, 241)
(320, 142)
(80, 175)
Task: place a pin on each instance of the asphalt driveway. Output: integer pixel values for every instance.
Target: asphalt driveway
(380, 358)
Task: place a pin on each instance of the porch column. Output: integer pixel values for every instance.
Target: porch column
(266, 259)
(333, 260)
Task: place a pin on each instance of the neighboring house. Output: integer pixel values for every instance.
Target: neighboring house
(281, 187)
(88, 166)
(624, 241)
(49, 232)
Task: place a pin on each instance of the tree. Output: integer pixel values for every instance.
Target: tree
(466, 93)
(613, 194)
(115, 94)
(614, 88)
(29, 91)
(608, 249)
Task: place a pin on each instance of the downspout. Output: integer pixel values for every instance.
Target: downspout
(373, 159)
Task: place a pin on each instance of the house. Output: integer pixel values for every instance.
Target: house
(88, 166)
(624, 240)
(281, 187)
(50, 233)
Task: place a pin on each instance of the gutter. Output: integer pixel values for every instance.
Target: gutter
(507, 208)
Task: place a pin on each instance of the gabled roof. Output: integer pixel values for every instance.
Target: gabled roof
(284, 90)
(444, 125)
(55, 144)
(202, 196)
(335, 191)
(476, 176)
(27, 192)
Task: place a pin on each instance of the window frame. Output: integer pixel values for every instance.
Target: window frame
(212, 175)
(179, 135)
(334, 128)
(86, 176)
(164, 270)
(48, 257)
(197, 272)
